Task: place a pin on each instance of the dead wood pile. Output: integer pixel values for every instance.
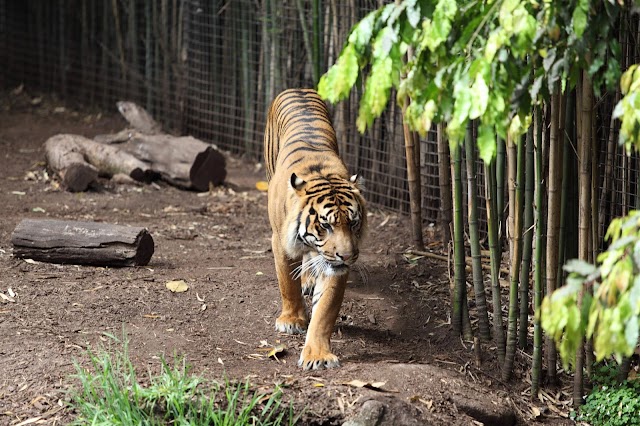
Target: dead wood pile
(142, 153)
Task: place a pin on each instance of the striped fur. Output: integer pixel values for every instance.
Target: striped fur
(317, 215)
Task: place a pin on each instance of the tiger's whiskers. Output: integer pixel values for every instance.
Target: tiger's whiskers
(314, 265)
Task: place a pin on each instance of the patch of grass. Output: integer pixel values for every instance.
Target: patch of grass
(611, 403)
(110, 393)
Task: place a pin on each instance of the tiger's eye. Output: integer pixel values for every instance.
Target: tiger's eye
(326, 225)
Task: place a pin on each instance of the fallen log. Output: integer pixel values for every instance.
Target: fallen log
(86, 243)
(183, 161)
(79, 161)
(64, 156)
(138, 118)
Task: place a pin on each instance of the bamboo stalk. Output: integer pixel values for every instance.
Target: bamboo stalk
(567, 124)
(148, 50)
(132, 38)
(84, 49)
(317, 41)
(553, 218)
(584, 208)
(536, 365)
(119, 43)
(495, 255)
(445, 185)
(516, 155)
(311, 54)
(163, 38)
(458, 242)
(474, 238)
(62, 74)
(246, 78)
(500, 190)
(527, 240)
(412, 152)
(105, 67)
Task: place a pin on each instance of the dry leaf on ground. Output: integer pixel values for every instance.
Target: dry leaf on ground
(280, 349)
(262, 185)
(177, 286)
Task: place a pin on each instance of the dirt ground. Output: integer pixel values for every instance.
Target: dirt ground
(393, 326)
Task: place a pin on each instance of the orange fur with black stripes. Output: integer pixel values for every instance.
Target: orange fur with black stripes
(317, 215)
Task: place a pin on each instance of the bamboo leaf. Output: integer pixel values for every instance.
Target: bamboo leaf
(376, 93)
(631, 332)
(335, 85)
(486, 143)
(363, 31)
(579, 21)
(579, 267)
(480, 94)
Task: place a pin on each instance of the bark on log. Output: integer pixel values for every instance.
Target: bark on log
(138, 118)
(65, 157)
(87, 243)
(79, 161)
(184, 161)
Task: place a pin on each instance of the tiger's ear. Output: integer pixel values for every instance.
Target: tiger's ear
(358, 182)
(296, 182)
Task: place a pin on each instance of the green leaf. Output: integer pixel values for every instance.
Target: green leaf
(535, 88)
(631, 332)
(413, 15)
(487, 144)
(336, 84)
(494, 43)
(384, 42)
(580, 267)
(363, 30)
(579, 21)
(480, 93)
(627, 78)
(376, 93)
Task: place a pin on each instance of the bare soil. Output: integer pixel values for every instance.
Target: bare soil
(393, 325)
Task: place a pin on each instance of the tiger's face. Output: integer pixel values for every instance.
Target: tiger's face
(330, 223)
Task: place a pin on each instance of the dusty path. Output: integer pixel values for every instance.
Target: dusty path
(219, 244)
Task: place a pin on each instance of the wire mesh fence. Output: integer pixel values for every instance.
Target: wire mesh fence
(211, 68)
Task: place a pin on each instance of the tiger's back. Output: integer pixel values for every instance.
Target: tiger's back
(299, 133)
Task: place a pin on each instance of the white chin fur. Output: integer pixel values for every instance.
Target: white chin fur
(331, 271)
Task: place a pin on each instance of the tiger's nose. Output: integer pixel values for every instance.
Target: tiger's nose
(346, 256)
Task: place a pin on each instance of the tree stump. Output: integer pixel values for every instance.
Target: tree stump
(86, 243)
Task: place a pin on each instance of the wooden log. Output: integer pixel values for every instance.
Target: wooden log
(79, 161)
(183, 161)
(86, 243)
(138, 118)
(65, 157)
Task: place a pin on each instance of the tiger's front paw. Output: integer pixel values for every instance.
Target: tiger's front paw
(291, 324)
(311, 359)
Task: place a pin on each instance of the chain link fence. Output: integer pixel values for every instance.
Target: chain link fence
(211, 68)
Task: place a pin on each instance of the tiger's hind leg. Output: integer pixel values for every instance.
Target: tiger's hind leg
(308, 276)
(327, 299)
(293, 319)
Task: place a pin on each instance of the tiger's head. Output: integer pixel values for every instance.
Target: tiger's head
(330, 220)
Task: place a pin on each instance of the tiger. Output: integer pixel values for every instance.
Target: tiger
(318, 218)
